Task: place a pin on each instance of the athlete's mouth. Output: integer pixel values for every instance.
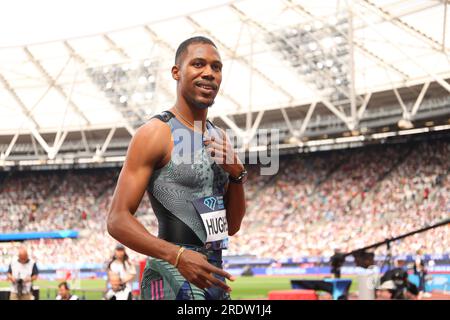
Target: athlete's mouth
(206, 86)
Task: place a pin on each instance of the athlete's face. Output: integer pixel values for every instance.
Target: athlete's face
(199, 74)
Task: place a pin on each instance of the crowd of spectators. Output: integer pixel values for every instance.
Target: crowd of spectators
(317, 203)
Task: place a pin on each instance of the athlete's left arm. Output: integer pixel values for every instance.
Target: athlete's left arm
(235, 204)
(221, 150)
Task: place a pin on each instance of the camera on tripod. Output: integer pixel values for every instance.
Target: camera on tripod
(398, 278)
(20, 285)
(394, 280)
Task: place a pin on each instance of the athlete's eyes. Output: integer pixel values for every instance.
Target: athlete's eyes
(198, 64)
(217, 67)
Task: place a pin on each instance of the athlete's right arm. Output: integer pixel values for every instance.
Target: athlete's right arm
(148, 150)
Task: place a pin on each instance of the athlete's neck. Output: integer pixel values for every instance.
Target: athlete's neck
(191, 115)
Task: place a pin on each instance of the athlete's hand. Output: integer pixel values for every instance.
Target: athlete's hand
(220, 149)
(196, 269)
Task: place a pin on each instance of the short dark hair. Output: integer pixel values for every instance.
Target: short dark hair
(64, 284)
(182, 48)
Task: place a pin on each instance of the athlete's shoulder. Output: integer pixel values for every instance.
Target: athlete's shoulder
(164, 116)
(155, 128)
(150, 141)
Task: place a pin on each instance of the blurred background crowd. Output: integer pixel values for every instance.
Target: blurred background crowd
(316, 203)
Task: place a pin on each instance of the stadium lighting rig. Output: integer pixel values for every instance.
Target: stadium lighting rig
(320, 54)
(301, 146)
(129, 86)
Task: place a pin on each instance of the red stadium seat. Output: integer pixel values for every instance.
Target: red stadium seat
(293, 295)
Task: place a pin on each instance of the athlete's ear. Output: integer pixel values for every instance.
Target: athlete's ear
(176, 72)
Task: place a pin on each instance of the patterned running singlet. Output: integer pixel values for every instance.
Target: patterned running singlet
(190, 174)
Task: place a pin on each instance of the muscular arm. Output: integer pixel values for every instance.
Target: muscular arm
(147, 149)
(235, 204)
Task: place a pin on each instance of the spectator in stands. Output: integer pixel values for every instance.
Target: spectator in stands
(118, 290)
(121, 266)
(21, 273)
(421, 271)
(64, 292)
(318, 201)
(337, 260)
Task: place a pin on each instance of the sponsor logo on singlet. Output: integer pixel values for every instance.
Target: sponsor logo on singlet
(213, 214)
(210, 202)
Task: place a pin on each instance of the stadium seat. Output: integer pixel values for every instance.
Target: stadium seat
(293, 295)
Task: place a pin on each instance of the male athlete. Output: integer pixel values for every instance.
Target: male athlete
(195, 184)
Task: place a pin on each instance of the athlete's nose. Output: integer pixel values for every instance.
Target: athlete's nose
(208, 73)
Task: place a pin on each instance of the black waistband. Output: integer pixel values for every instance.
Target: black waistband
(171, 228)
(211, 254)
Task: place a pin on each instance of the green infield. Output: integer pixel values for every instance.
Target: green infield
(243, 287)
(89, 289)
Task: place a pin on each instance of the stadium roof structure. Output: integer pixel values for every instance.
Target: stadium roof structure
(314, 69)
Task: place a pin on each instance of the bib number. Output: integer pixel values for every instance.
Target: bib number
(212, 211)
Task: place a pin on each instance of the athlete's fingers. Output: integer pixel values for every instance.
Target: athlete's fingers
(229, 157)
(213, 139)
(207, 136)
(214, 144)
(206, 279)
(219, 271)
(210, 149)
(217, 157)
(215, 147)
(200, 282)
(218, 283)
(220, 158)
(220, 153)
(209, 284)
(215, 152)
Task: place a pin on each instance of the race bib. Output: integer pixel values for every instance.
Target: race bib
(212, 211)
